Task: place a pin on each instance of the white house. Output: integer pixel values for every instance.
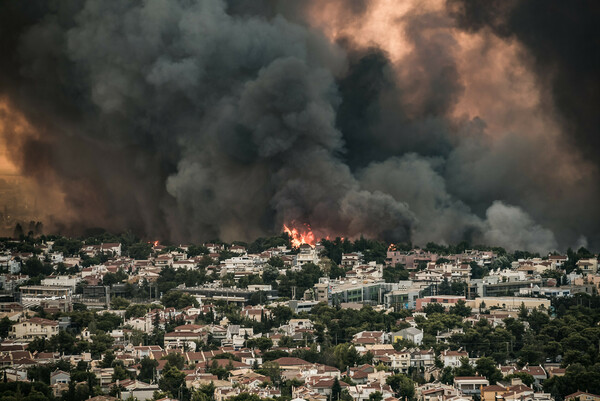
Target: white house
(58, 376)
(412, 334)
(113, 248)
(452, 358)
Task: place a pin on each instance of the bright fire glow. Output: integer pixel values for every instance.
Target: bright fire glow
(7, 166)
(299, 237)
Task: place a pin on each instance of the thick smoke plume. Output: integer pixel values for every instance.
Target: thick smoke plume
(191, 120)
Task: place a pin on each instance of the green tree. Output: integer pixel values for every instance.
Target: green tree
(281, 315)
(108, 321)
(138, 337)
(39, 373)
(178, 299)
(432, 308)
(38, 345)
(275, 261)
(140, 251)
(172, 380)
(270, 274)
(487, 367)
(445, 288)
(346, 355)
(531, 354)
(523, 312)
(175, 359)
(394, 274)
(376, 396)
(402, 385)
(195, 250)
(204, 393)
(465, 368)
(461, 308)
(64, 343)
(119, 373)
(110, 279)
(136, 310)
(218, 370)
(447, 377)
(336, 389)
(345, 396)
(272, 371)
(108, 359)
(525, 377)
(262, 343)
(147, 369)
(100, 343)
(537, 319)
(5, 326)
(478, 271)
(34, 267)
(119, 303)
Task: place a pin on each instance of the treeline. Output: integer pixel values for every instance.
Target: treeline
(372, 250)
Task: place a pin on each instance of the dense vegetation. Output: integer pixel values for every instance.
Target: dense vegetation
(568, 335)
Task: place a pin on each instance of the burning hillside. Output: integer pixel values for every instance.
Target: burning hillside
(300, 236)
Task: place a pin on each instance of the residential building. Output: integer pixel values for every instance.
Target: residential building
(509, 303)
(452, 359)
(33, 328)
(58, 376)
(411, 334)
(470, 385)
(582, 396)
(588, 266)
(445, 300)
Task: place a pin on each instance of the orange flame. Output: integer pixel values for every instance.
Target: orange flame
(300, 237)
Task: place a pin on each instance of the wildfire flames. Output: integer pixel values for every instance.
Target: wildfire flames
(299, 237)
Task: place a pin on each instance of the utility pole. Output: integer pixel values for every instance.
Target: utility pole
(469, 288)
(107, 296)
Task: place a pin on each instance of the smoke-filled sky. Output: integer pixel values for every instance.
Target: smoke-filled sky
(415, 120)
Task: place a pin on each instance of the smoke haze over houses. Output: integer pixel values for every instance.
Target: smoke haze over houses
(190, 120)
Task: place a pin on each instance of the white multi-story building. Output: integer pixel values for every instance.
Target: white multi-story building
(184, 264)
(62, 281)
(114, 248)
(34, 328)
(144, 323)
(452, 358)
(307, 254)
(588, 266)
(351, 259)
(56, 257)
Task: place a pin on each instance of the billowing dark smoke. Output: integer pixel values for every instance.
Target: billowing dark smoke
(200, 119)
(562, 40)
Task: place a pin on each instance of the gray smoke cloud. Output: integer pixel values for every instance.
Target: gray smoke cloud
(508, 225)
(191, 120)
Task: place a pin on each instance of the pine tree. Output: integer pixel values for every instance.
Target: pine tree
(336, 390)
